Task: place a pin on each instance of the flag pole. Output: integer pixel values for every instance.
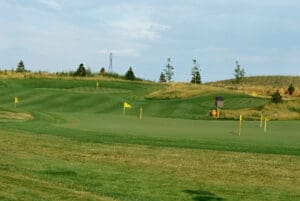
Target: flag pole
(240, 125)
(265, 129)
(141, 113)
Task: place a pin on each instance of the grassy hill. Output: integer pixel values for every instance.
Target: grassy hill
(68, 140)
(82, 96)
(263, 85)
(274, 81)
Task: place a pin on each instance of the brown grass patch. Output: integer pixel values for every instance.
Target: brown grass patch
(289, 110)
(183, 90)
(14, 116)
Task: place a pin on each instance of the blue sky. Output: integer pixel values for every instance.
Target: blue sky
(57, 35)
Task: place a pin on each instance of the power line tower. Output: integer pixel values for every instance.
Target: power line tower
(110, 68)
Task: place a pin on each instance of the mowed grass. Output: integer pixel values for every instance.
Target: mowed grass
(82, 96)
(77, 145)
(45, 167)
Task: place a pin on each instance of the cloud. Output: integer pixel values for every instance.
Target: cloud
(52, 4)
(139, 28)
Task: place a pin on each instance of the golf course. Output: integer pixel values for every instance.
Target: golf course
(73, 139)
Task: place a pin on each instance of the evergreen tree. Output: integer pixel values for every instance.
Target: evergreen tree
(196, 78)
(102, 71)
(129, 74)
(169, 70)
(291, 89)
(20, 67)
(239, 73)
(162, 77)
(276, 97)
(81, 71)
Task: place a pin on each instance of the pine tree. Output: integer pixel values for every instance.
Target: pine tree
(130, 74)
(291, 89)
(196, 78)
(276, 97)
(20, 67)
(162, 77)
(239, 73)
(169, 70)
(102, 71)
(81, 71)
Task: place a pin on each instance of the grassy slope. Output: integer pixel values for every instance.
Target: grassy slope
(263, 85)
(275, 81)
(79, 147)
(78, 95)
(86, 109)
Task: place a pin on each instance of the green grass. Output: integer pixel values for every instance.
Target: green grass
(82, 96)
(79, 146)
(46, 167)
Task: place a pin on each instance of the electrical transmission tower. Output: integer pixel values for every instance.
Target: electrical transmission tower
(110, 67)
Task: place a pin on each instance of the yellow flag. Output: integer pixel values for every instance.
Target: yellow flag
(97, 84)
(16, 100)
(126, 105)
(254, 94)
(241, 117)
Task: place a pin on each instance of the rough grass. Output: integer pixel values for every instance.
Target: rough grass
(264, 86)
(183, 91)
(274, 81)
(288, 110)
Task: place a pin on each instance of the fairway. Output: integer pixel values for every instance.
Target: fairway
(67, 140)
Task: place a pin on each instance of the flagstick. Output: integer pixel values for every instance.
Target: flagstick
(124, 110)
(141, 113)
(265, 125)
(240, 125)
(240, 128)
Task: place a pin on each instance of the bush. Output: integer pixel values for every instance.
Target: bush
(102, 71)
(291, 89)
(80, 71)
(276, 97)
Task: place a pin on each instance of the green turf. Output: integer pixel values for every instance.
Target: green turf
(79, 146)
(82, 96)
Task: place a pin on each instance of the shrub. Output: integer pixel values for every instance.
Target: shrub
(291, 89)
(80, 71)
(276, 97)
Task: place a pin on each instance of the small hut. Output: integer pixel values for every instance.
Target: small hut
(219, 101)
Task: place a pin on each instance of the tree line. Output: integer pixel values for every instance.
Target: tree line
(165, 76)
(82, 71)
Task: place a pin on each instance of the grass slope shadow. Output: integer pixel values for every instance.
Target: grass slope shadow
(199, 195)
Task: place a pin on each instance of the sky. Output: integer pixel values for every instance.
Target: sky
(58, 35)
